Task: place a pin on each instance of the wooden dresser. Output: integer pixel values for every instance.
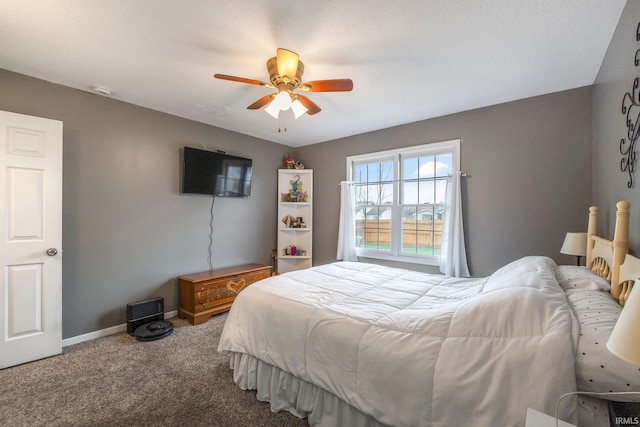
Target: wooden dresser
(211, 292)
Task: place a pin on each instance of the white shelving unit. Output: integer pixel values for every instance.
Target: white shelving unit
(295, 200)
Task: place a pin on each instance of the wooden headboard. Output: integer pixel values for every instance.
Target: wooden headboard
(606, 257)
(629, 272)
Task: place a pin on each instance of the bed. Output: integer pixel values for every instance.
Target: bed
(596, 295)
(364, 345)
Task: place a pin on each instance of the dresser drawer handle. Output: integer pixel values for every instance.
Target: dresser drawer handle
(236, 287)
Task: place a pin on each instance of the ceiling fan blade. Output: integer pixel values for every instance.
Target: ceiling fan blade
(261, 102)
(337, 85)
(311, 106)
(242, 80)
(287, 62)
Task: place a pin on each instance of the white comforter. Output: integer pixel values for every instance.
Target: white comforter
(413, 349)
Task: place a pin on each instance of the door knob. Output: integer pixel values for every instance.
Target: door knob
(52, 251)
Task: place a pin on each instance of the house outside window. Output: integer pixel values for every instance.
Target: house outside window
(400, 201)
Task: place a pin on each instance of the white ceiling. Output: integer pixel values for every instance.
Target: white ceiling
(409, 60)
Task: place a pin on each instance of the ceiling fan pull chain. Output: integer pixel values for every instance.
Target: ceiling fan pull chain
(281, 126)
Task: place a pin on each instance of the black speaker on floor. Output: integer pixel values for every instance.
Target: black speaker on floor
(142, 312)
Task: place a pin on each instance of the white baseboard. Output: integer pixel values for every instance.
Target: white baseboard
(104, 332)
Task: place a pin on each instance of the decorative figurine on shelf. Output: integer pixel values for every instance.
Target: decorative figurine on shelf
(288, 221)
(289, 163)
(299, 165)
(295, 183)
(295, 193)
(292, 250)
(302, 197)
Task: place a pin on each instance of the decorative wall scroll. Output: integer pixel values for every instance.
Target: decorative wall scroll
(631, 111)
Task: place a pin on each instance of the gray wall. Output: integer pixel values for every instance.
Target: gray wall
(530, 167)
(127, 231)
(615, 78)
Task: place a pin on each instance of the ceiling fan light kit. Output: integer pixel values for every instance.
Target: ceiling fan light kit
(285, 74)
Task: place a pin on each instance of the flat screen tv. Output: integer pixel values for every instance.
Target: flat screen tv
(215, 173)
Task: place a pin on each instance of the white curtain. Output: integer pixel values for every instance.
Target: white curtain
(346, 230)
(453, 257)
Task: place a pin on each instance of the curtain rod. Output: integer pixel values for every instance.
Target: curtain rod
(464, 175)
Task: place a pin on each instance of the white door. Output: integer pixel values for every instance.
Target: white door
(30, 238)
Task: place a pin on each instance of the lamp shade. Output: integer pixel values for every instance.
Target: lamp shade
(287, 63)
(575, 244)
(273, 109)
(297, 108)
(282, 100)
(624, 341)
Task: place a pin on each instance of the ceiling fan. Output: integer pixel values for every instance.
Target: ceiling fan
(285, 74)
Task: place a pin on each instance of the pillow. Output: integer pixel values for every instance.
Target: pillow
(597, 369)
(575, 277)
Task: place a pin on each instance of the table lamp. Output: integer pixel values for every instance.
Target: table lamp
(624, 341)
(575, 244)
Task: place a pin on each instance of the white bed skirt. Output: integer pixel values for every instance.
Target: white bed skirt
(286, 392)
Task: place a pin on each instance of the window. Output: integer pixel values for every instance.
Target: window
(400, 201)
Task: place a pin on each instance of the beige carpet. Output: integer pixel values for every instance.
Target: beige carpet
(180, 380)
